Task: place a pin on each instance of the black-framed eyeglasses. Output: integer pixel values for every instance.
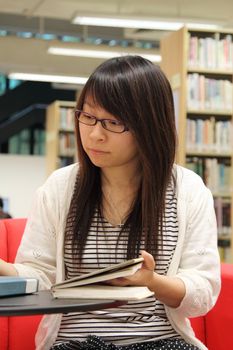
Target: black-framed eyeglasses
(112, 125)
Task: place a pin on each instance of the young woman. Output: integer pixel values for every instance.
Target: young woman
(124, 198)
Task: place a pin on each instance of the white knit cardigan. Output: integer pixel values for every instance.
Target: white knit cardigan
(195, 261)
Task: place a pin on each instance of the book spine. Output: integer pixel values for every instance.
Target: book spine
(21, 286)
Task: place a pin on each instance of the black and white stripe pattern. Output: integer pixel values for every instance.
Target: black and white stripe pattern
(138, 321)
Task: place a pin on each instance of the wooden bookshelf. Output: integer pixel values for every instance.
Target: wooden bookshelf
(60, 138)
(199, 66)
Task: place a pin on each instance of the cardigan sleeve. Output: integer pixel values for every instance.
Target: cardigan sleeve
(40, 253)
(199, 266)
(36, 256)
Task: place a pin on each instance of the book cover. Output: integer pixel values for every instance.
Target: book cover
(88, 286)
(17, 285)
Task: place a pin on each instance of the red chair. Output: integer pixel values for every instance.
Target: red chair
(215, 329)
(17, 333)
(219, 321)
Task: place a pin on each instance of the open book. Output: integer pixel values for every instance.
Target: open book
(90, 285)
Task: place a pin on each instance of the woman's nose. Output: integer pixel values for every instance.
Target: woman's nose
(97, 131)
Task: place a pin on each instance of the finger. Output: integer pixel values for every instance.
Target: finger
(149, 263)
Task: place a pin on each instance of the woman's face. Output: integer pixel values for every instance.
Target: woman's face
(107, 149)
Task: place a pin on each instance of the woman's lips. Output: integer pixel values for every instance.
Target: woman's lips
(96, 151)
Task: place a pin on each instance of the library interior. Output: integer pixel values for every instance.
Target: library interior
(49, 48)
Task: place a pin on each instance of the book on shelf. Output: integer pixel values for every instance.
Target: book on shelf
(223, 215)
(67, 144)
(209, 135)
(66, 119)
(210, 52)
(91, 285)
(215, 172)
(205, 93)
(10, 286)
(224, 250)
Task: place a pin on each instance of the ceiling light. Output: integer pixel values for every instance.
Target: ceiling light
(99, 53)
(123, 22)
(126, 23)
(48, 78)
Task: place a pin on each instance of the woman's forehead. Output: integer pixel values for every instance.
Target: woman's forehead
(92, 102)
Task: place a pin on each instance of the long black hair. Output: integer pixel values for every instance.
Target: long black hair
(138, 93)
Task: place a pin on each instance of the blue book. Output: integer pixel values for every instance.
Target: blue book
(17, 285)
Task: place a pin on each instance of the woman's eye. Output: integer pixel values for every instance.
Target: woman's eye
(87, 116)
(114, 122)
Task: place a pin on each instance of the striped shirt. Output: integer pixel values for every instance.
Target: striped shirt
(138, 321)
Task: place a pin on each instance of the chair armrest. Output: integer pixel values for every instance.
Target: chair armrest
(219, 321)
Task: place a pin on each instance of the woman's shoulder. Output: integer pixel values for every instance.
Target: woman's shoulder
(63, 177)
(187, 176)
(190, 184)
(65, 172)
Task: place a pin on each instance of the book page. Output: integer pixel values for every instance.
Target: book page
(96, 291)
(125, 268)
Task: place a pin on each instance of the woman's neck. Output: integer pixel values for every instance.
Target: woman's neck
(119, 189)
(120, 179)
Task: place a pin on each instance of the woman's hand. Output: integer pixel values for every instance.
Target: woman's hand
(7, 269)
(142, 277)
(169, 290)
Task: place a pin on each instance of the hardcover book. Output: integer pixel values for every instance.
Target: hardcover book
(91, 285)
(10, 286)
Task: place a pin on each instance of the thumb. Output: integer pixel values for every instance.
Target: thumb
(148, 262)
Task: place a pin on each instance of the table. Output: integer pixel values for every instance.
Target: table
(43, 303)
